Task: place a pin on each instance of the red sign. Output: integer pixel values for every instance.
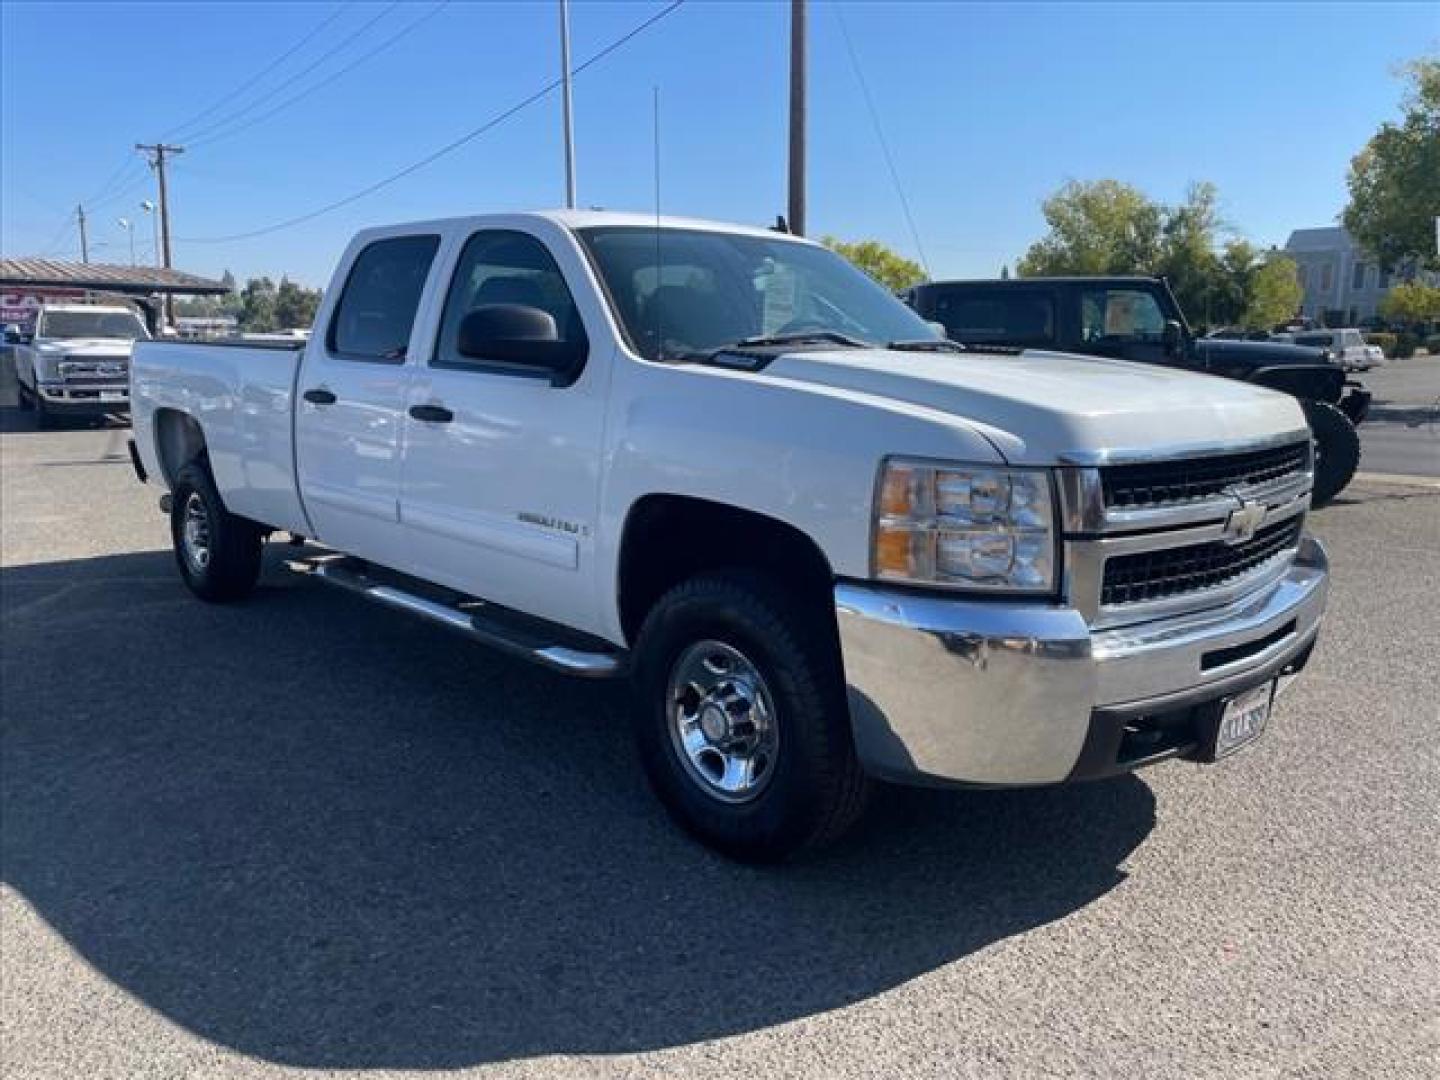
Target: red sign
(19, 305)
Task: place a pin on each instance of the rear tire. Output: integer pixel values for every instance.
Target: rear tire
(741, 717)
(218, 553)
(1337, 449)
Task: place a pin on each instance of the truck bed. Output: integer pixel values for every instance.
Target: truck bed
(241, 393)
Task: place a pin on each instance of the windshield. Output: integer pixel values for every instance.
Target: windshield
(122, 325)
(685, 292)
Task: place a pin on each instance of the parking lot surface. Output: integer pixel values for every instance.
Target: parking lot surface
(301, 835)
(1402, 433)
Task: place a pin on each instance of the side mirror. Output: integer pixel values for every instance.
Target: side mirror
(12, 334)
(517, 335)
(1173, 337)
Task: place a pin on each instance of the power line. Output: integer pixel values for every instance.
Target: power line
(206, 131)
(448, 148)
(248, 83)
(125, 166)
(134, 185)
(307, 91)
(880, 137)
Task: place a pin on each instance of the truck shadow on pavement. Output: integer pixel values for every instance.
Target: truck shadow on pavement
(326, 835)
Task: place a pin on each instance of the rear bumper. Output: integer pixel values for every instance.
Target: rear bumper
(973, 692)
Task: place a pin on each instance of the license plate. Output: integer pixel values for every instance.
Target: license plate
(1243, 719)
(112, 395)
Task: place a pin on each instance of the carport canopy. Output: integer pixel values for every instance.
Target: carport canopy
(143, 284)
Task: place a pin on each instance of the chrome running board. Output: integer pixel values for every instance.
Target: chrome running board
(527, 639)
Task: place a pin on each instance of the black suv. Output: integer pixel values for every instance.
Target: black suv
(1137, 318)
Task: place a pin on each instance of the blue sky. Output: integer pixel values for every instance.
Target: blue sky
(986, 107)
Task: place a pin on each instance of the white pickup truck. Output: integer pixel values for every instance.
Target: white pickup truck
(77, 362)
(823, 544)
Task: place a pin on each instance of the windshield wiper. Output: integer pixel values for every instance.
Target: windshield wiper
(799, 337)
(926, 345)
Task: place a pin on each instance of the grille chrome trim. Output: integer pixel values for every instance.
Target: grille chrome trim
(1179, 451)
(1148, 576)
(1156, 485)
(1085, 559)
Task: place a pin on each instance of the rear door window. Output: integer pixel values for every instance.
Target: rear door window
(1000, 317)
(377, 308)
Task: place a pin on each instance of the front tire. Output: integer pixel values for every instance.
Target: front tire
(218, 553)
(45, 418)
(741, 717)
(1337, 449)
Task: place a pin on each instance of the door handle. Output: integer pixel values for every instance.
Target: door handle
(432, 414)
(318, 396)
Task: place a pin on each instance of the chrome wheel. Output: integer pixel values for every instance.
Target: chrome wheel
(722, 721)
(195, 533)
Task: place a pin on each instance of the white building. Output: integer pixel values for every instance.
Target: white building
(1338, 276)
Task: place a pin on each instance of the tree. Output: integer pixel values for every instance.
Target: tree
(1096, 227)
(890, 269)
(1274, 293)
(257, 305)
(295, 305)
(1108, 227)
(1412, 302)
(1395, 180)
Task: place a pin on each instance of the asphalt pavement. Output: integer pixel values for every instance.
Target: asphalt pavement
(301, 836)
(1401, 436)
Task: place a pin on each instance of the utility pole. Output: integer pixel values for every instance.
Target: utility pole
(797, 117)
(84, 243)
(157, 162)
(565, 84)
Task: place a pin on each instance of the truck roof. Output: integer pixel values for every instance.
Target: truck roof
(584, 219)
(104, 309)
(1058, 279)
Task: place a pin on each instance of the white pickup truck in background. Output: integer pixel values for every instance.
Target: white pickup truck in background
(824, 545)
(77, 362)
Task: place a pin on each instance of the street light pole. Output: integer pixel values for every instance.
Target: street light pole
(797, 118)
(149, 208)
(84, 239)
(568, 120)
(129, 227)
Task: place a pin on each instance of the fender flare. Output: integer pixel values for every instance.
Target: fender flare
(1317, 382)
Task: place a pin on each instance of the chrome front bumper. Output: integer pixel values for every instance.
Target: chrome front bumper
(79, 394)
(1014, 693)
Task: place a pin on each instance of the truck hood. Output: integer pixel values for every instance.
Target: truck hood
(1044, 408)
(1222, 352)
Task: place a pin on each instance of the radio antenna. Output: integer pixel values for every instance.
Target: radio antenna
(657, 329)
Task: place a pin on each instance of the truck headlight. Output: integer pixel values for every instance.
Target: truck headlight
(965, 527)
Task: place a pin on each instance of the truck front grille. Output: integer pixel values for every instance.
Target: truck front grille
(97, 372)
(1166, 572)
(1165, 483)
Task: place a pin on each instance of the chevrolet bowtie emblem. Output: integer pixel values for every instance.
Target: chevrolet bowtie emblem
(1242, 523)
